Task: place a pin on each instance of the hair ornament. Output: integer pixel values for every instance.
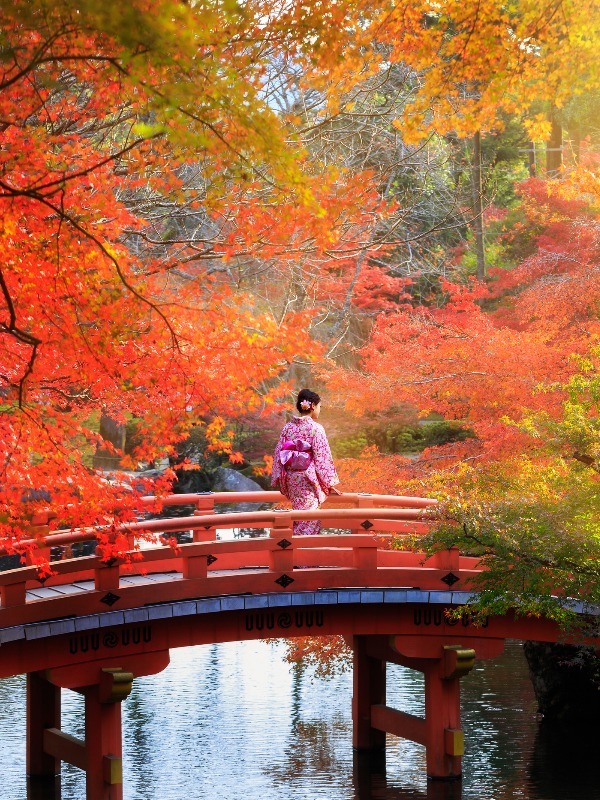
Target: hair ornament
(305, 405)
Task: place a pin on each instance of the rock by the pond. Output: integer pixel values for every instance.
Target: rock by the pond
(566, 682)
(192, 481)
(230, 480)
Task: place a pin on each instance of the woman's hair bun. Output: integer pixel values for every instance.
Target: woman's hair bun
(307, 400)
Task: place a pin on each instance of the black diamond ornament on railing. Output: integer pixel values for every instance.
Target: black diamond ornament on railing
(284, 581)
(450, 579)
(284, 543)
(366, 524)
(110, 599)
(210, 560)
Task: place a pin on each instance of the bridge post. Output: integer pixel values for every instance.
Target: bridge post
(99, 755)
(444, 736)
(368, 690)
(205, 504)
(363, 500)
(282, 560)
(441, 730)
(103, 745)
(443, 665)
(43, 712)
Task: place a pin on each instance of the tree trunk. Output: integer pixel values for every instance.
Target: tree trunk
(477, 194)
(114, 433)
(575, 137)
(554, 148)
(532, 159)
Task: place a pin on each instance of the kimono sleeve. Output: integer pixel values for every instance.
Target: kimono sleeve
(277, 470)
(323, 459)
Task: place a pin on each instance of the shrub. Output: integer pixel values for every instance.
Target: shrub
(401, 438)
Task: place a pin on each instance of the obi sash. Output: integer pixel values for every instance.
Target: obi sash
(295, 456)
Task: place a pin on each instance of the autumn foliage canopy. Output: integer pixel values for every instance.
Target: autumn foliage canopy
(204, 203)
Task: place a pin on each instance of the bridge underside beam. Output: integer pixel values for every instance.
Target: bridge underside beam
(398, 723)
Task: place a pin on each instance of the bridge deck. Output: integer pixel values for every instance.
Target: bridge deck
(88, 586)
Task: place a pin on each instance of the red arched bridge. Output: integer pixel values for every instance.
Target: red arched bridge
(95, 626)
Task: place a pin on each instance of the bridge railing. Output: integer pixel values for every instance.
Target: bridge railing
(352, 499)
(336, 513)
(207, 502)
(207, 566)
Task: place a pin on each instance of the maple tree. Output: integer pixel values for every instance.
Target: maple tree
(433, 79)
(477, 60)
(514, 361)
(499, 357)
(105, 112)
(177, 236)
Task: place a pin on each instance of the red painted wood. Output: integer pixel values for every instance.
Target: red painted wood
(236, 582)
(425, 646)
(195, 567)
(332, 516)
(24, 656)
(442, 712)
(368, 692)
(106, 578)
(398, 723)
(364, 558)
(87, 673)
(102, 739)
(43, 712)
(64, 747)
(13, 594)
(346, 499)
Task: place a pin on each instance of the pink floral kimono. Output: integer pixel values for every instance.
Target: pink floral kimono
(303, 469)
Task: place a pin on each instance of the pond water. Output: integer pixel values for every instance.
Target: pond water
(235, 722)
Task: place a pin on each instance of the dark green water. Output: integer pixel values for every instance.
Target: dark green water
(234, 722)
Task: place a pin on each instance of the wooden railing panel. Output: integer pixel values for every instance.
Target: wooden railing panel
(208, 566)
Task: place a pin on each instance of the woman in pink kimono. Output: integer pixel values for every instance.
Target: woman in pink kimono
(303, 468)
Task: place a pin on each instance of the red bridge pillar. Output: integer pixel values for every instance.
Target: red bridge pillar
(100, 755)
(103, 737)
(444, 736)
(43, 712)
(368, 690)
(443, 665)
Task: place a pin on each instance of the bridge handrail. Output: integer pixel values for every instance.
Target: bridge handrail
(207, 500)
(358, 499)
(246, 519)
(246, 564)
(269, 519)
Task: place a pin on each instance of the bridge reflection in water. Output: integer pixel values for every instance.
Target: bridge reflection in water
(98, 628)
